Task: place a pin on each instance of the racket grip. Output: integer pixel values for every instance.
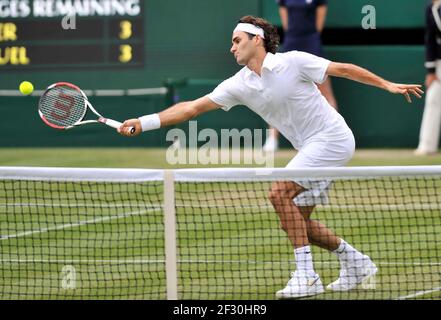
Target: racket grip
(115, 124)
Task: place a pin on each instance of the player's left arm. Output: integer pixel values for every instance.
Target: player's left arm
(359, 74)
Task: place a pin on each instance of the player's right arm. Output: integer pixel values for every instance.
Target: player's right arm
(177, 113)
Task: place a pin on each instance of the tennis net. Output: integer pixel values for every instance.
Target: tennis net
(210, 233)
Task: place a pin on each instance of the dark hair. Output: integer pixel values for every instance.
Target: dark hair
(272, 38)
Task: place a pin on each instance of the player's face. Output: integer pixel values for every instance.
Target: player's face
(243, 47)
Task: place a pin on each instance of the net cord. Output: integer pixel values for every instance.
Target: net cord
(80, 174)
(275, 174)
(213, 174)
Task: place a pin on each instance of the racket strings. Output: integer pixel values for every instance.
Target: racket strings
(62, 106)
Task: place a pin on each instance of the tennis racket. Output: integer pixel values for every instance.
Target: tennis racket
(63, 106)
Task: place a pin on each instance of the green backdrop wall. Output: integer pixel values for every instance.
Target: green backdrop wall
(191, 39)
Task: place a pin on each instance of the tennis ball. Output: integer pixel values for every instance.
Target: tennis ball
(26, 87)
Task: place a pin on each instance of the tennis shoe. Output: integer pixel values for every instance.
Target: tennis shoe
(301, 285)
(352, 274)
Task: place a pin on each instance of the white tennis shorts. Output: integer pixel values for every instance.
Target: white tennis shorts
(321, 153)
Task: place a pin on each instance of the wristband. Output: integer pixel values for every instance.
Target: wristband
(150, 122)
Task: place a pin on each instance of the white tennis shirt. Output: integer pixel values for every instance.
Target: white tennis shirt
(286, 97)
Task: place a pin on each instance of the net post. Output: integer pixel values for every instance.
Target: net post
(170, 236)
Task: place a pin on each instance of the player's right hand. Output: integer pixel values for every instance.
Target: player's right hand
(125, 131)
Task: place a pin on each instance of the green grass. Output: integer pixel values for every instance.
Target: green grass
(230, 247)
(156, 158)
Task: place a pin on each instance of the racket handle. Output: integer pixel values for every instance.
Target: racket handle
(115, 124)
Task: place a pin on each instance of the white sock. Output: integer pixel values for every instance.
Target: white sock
(304, 260)
(348, 254)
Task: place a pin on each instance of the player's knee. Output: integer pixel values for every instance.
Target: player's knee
(279, 193)
(277, 197)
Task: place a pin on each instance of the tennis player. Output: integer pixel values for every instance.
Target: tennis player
(280, 87)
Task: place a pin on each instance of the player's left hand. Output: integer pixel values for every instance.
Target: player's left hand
(407, 90)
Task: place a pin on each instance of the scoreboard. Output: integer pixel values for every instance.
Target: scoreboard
(71, 34)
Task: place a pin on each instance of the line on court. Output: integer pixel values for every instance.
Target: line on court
(73, 225)
(418, 294)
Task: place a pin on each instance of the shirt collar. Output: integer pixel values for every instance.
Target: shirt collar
(270, 62)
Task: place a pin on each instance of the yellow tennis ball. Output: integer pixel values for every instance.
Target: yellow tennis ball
(26, 87)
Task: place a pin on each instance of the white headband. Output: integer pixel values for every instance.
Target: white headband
(250, 28)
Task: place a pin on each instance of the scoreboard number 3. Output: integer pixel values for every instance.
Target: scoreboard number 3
(126, 29)
(125, 51)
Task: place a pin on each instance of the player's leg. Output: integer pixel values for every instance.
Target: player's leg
(291, 219)
(304, 281)
(355, 267)
(319, 234)
(326, 90)
(430, 124)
